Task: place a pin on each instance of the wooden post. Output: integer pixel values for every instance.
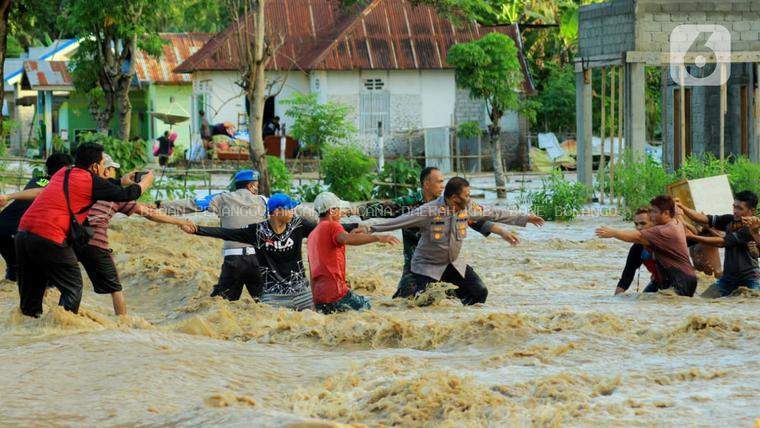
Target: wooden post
(723, 109)
(755, 153)
(682, 115)
(665, 75)
(612, 134)
(602, 131)
(620, 125)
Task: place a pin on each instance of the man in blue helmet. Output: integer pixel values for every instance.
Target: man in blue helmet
(235, 209)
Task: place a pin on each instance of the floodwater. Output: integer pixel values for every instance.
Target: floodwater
(551, 347)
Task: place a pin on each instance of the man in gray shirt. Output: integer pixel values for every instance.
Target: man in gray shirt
(443, 226)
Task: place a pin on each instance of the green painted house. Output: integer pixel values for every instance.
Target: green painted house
(62, 111)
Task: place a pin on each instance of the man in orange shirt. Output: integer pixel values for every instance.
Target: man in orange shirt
(327, 257)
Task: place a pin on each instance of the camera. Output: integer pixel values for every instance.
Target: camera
(139, 176)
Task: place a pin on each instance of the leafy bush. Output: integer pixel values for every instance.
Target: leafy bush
(744, 175)
(279, 177)
(695, 167)
(404, 171)
(309, 192)
(559, 199)
(639, 182)
(318, 124)
(131, 155)
(348, 172)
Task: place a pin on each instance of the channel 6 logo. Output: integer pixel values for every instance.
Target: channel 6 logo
(716, 40)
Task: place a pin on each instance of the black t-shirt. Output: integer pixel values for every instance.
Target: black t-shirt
(279, 255)
(738, 262)
(10, 217)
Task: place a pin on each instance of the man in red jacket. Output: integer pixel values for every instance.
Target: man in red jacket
(45, 256)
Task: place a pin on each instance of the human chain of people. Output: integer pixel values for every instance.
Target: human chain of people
(62, 220)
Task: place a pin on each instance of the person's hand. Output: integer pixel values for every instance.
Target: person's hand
(751, 222)
(536, 220)
(3, 200)
(361, 229)
(605, 232)
(509, 237)
(619, 290)
(128, 179)
(387, 239)
(147, 179)
(189, 227)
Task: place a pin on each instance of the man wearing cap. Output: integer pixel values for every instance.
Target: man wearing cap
(443, 227)
(236, 209)
(96, 256)
(277, 244)
(327, 257)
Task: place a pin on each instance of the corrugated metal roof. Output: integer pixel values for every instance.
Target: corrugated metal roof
(320, 35)
(47, 75)
(180, 47)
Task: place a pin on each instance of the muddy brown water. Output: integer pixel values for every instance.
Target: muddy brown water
(551, 347)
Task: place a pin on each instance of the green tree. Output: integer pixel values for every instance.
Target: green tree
(490, 70)
(111, 31)
(557, 100)
(315, 124)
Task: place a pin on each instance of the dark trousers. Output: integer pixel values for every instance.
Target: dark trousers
(682, 284)
(42, 262)
(470, 289)
(238, 271)
(8, 251)
(100, 268)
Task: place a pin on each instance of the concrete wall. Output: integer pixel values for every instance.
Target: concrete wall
(645, 25)
(655, 19)
(606, 28)
(705, 114)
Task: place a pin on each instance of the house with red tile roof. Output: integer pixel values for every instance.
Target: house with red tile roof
(385, 59)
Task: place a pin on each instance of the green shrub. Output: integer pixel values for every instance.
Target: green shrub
(402, 171)
(559, 199)
(639, 182)
(130, 155)
(348, 172)
(279, 177)
(744, 175)
(309, 192)
(700, 167)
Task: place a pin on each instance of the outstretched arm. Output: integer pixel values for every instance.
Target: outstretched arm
(501, 230)
(245, 235)
(158, 217)
(696, 216)
(24, 195)
(362, 239)
(415, 218)
(712, 241)
(632, 236)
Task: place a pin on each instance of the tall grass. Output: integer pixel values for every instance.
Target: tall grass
(639, 182)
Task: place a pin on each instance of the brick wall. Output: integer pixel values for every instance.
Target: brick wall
(606, 28)
(655, 19)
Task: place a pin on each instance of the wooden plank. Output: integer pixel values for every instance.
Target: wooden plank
(621, 101)
(612, 134)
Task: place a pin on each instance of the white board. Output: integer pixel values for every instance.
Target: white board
(712, 195)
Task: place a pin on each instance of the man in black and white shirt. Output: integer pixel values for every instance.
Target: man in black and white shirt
(277, 242)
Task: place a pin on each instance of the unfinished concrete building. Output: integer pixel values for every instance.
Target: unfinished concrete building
(711, 49)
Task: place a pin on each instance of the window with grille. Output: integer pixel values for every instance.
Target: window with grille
(374, 84)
